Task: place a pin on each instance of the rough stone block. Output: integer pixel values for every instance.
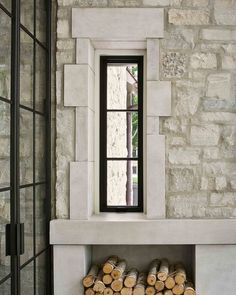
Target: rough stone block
(181, 180)
(78, 86)
(188, 17)
(201, 60)
(156, 2)
(184, 156)
(229, 62)
(174, 64)
(221, 183)
(218, 34)
(225, 12)
(205, 135)
(63, 28)
(219, 85)
(158, 98)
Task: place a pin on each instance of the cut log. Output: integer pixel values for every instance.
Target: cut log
(178, 289)
(139, 289)
(89, 291)
(189, 289)
(110, 264)
(126, 291)
(150, 290)
(163, 270)
(108, 291)
(168, 292)
(116, 293)
(89, 280)
(152, 274)
(99, 286)
(117, 285)
(170, 281)
(131, 278)
(119, 270)
(107, 279)
(159, 285)
(180, 274)
(159, 293)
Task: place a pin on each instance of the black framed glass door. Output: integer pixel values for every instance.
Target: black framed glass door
(24, 147)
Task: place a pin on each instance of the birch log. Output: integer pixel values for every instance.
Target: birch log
(108, 291)
(189, 290)
(152, 274)
(89, 280)
(170, 281)
(110, 264)
(131, 278)
(107, 279)
(159, 285)
(180, 276)
(99, 286)
(119, 270)
(150, 290)
(126, 291)
(163, 270)
(178, 289)
(89, 291)
(168, 292)
(117, 285)
(139, 289)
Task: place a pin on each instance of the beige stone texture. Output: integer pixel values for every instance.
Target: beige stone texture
(188, 17)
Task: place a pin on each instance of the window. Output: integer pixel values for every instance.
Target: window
(121, 133)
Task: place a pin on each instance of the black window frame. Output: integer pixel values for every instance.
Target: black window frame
(104, 61)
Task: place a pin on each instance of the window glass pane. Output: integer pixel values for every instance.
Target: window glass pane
(122, 183)
(39, 148)
(6, 4)
(122, 86)
(5, 288)
(26, 69)
(5, 144)
(27, 279)
(41, 20)
(5, 54)
(27, 14)
(26, 147)
(26, 217)
(40, 79)
(122, 134)
(40, 218)
(5, 267)
(41, 274)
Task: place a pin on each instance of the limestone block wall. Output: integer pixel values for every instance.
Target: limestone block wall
(198, 56)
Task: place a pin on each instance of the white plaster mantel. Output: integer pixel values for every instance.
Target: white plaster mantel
(141, 231)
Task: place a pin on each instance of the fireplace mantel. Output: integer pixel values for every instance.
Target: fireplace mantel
(141, 231)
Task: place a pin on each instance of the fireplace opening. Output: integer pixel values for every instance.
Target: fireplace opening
(132, 264)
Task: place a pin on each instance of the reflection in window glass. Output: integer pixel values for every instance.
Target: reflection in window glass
(26, 69)
(41, 274)
(27, 279)
(41, 221)
(27, 14)
(40, 78)
(122, 183)
(5, 144)
(5, 288)
(41, 20)
(5, 267)
(5, 54)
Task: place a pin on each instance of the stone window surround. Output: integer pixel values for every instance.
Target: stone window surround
(82, 78)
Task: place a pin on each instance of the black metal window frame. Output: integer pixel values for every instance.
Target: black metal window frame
(104, 61)
(15, 242)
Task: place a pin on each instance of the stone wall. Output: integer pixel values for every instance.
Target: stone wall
(198, 55)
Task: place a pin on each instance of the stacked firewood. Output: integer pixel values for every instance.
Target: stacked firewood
(113, 278)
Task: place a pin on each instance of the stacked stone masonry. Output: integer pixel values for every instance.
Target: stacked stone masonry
(198, 56)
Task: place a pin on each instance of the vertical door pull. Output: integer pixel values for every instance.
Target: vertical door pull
(19, 247)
